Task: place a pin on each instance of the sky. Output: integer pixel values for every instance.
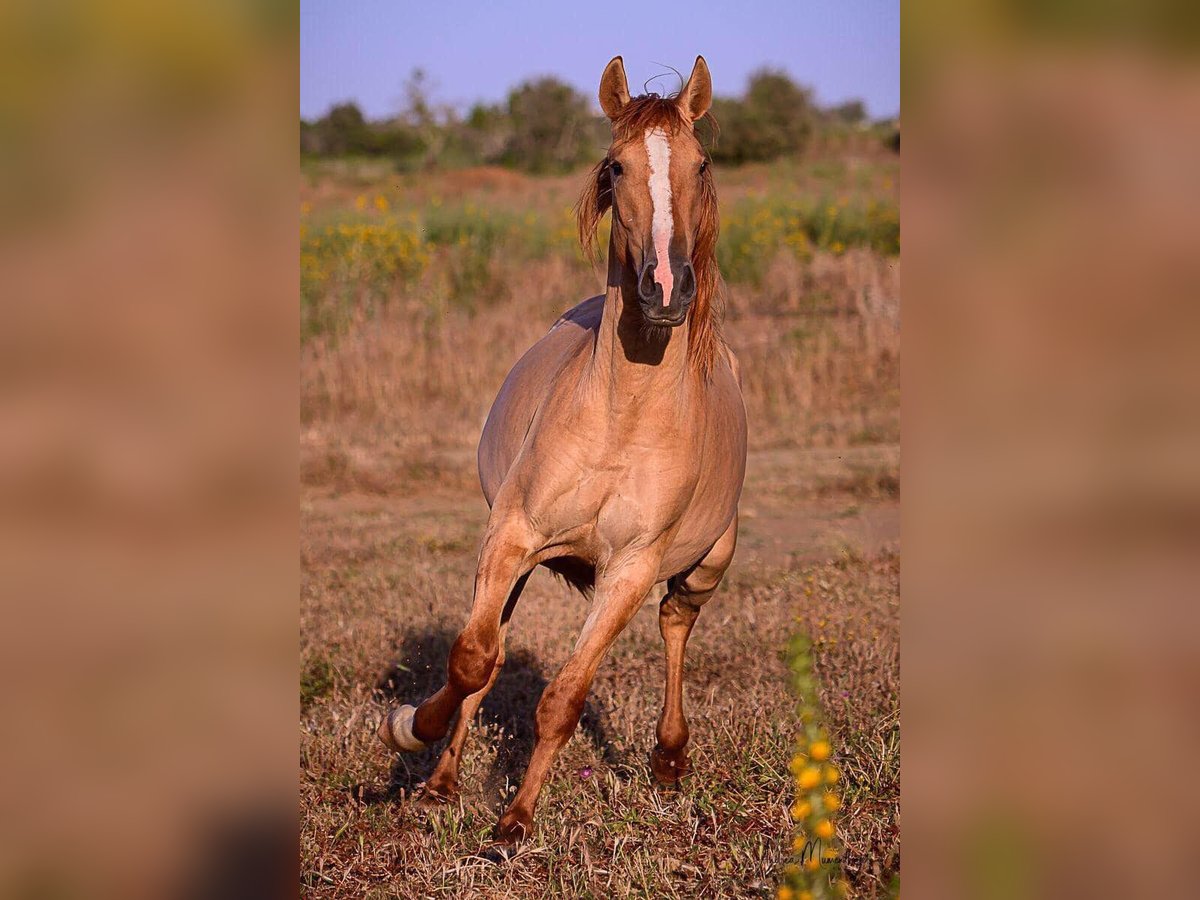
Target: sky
(364, 50)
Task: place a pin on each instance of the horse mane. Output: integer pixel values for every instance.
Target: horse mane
(708, 306)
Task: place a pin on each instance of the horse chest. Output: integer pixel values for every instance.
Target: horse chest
(606, 498)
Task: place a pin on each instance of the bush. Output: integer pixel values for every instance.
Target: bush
(754, 231)
(553, 129)
(353, 265)
(344, 131)
(547, 126)
(775, 118)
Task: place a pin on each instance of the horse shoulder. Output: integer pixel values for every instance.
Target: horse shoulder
(528, 384)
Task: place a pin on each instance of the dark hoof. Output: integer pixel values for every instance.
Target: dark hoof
(669, 768)
(436, 797)
(514, 826)
(498, 854)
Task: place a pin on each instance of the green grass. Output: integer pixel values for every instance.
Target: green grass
(315, 682)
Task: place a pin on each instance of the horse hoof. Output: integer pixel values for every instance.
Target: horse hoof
(396, 730)
(498, 853)
(667, 769)
(513, 828)
(436, 797)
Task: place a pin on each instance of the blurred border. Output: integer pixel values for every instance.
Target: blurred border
(149, 437)
(149, 343)
(1050, 417)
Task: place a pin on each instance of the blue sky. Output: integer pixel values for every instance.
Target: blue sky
(363, 50)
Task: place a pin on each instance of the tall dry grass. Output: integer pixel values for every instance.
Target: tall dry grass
(407, 386)
(408, 343)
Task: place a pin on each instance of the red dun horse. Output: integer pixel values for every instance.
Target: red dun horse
(615, 451)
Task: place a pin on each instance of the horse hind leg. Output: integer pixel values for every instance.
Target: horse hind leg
(677, 615)
(503, 561)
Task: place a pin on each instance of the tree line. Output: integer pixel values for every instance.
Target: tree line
(545, 125)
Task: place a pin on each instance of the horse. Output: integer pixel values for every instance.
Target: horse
(615, 451)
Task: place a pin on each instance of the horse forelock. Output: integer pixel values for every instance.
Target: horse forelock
(640, 115)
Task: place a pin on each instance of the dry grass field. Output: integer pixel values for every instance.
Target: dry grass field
(419, 292)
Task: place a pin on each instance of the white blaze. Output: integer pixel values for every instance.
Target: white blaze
(658, 151)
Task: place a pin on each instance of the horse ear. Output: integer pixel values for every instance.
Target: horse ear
(696, 96)
(614, 89)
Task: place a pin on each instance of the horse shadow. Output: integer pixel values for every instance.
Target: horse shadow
(511, 705)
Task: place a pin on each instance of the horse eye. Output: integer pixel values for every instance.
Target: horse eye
(704, 167)
(614, 169)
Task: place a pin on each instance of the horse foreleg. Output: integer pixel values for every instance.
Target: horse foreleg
(443, 783)
(504, 559)
(618, 598)
(676, 616)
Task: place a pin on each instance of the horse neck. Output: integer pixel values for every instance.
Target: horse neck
(634, 364)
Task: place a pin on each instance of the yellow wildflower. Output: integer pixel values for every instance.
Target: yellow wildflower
(799, 842)
(801, 809)
(824, 829)
(812, 864)
(819, 751)
(785, 893)
(796, 766)
(811, 777)
(830, 801)
(831, 774)
(360, 202)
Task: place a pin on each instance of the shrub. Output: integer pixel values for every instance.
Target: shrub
(553, 129)
(774, 118)
(353, 265)
(754, 231)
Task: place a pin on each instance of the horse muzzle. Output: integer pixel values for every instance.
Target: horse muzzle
(651, 286)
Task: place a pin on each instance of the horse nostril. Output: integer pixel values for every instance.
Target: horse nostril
(646, 283)
(687, 283)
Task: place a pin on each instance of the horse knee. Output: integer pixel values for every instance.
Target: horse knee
(472, 660)
(558, 712)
